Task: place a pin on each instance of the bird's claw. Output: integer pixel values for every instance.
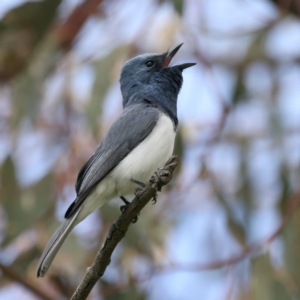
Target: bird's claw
(137, 192)
(154, 199)
(135, 219)
(124, 207)
(138, 182)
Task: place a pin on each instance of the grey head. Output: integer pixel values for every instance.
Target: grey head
(150, 78)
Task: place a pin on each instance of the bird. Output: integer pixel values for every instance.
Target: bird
(140, 141)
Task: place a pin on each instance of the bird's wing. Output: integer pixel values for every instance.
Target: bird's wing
(132, 127)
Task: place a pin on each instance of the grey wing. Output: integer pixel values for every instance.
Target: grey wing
(132, 127)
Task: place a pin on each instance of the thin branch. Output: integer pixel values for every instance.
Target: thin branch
(69, 30)
(118, 230)
(247, 251)
(9, 273)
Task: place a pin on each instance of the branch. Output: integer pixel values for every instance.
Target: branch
(118, 230)
(248, 251)
(69, 30)
(8, 272)
(286, 6)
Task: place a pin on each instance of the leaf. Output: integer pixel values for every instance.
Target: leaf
(20, 31)
(10, 199)
(24, 261)
(237, 230)
(103, 80)
(292, 254)
(265, 285)
(27, 87)
(286, 189)
(22, 207)
(178, 5)
(256, 49)
(239, 93)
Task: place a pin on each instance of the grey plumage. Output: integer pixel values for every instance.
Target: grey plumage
(125, 134)
(130, 129)
(54, 244)
(135, 146)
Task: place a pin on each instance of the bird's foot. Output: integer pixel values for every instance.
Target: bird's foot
(138, 182)
(124, 207)
(154, 199)
(138, 190)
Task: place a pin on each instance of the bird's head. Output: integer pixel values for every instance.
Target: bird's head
(151, 77)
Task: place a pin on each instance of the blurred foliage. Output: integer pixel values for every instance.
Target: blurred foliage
(292, 259)
(102, 82)
(27, 86)
(265, 285)
(59, 68)
(20, 31)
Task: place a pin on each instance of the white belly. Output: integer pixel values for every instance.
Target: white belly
(139, 164)
(142, 162)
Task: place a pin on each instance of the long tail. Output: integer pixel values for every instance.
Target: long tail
(54, 244)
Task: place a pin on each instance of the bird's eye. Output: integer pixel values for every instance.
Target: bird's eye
(149, 63)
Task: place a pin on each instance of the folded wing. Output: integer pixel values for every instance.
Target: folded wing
(133, 126)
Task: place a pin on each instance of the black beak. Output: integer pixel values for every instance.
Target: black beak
(185, 66)
(171, 54)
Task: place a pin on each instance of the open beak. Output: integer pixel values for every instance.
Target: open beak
(171, 54)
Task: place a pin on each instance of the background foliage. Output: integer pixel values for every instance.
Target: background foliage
(228, 226)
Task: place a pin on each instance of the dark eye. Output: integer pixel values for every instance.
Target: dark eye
(149, 63)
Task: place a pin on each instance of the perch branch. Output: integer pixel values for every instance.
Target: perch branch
(248, 251)
(118, 230)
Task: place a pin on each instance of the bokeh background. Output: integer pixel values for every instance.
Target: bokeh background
(227, 227)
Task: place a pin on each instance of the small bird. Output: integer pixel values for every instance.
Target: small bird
(139, 142)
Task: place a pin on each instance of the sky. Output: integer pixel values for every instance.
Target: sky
(199, 105)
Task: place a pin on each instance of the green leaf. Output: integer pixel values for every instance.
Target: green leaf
(265, 284)
(256, 49)
(28, 86)
(20, 31)
(286, 189)
(178, 5)
(104, 69)
(292, 254)
(239, 93)
(23, 206)
(10, 199)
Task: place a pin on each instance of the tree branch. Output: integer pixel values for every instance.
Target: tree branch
(248, 251)
(292, 6)
(69, 30)
(118, 230)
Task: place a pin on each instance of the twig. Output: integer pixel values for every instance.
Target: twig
(8, 272)
(118, 230)
(247, 251)
(69, 30)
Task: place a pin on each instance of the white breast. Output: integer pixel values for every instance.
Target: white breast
(139, 164)
(149, 155)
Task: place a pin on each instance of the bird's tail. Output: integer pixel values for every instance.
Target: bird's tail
(54, 244)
